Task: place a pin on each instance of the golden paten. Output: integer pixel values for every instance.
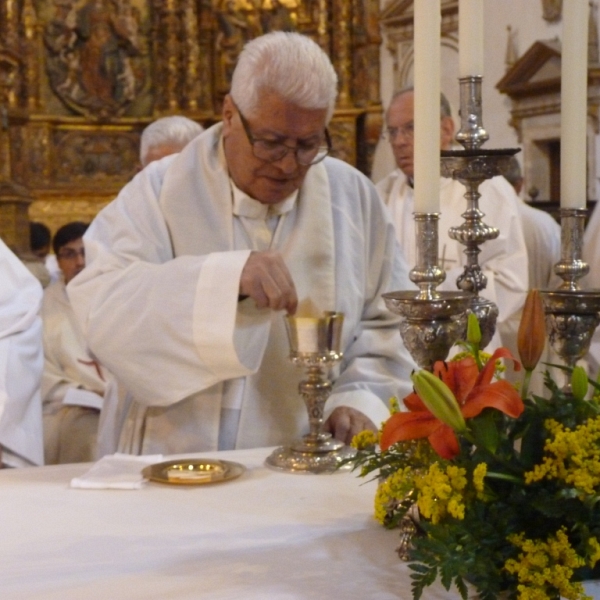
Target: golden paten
(193, 471)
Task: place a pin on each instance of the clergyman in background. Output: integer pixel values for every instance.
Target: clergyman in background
(503, 260)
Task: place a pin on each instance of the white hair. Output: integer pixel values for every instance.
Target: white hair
(289, 64)
(175, 130)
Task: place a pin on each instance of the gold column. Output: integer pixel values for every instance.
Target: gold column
(34, 49)
(14, 198)
(341, 50)
(192, 55)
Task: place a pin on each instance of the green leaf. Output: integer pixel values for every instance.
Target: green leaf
(486, 432)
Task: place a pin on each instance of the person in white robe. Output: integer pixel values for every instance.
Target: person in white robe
(542, 239)
(21, 363)
(74, 383)
(166, 136)
(503, 260)
(192, 268)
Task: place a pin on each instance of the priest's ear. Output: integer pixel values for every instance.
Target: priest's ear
(446, 133)
(229, 112)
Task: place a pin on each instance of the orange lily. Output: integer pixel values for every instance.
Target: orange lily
(531, 337)
(474, 391)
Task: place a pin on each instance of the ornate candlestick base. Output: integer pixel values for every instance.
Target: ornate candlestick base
(315, 345)
(572, 315)
(431, 326)
(433, 321)
(571, 319)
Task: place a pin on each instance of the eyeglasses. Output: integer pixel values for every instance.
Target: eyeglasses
(406, 131)
(272, 151)
(71, 254)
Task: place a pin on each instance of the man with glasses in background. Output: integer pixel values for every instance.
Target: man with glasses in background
(502, 260)
(193, 267)
(74, 384)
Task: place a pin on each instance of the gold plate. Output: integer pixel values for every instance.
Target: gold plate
(193, 471)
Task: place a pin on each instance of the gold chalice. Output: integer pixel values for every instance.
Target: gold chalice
(314, 345)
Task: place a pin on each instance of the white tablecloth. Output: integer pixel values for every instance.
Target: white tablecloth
(266, 535)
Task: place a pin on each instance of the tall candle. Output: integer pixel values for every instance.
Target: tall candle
(470, 37)
(573, 104)
(427, 105)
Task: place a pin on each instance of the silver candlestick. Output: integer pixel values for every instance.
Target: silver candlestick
(315, 345)
(432, 320)
(472, 166)
(572, 314)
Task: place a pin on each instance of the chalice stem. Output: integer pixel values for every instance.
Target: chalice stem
(315, 390)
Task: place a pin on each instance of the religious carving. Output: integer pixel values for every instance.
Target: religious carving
(86, 76)
(241, 20)
(91, 49)
(95, 158)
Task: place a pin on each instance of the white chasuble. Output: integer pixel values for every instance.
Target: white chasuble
(304, 237)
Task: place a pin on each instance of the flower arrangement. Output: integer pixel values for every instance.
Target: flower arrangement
(507, 484)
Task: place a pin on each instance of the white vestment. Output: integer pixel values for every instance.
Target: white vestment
(503, 260)
(73, 384)
(21, 363)
(591, 255)
(159, 302)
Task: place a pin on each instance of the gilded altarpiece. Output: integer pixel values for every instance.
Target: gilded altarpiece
(80, 79)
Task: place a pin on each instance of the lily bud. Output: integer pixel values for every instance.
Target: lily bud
(579, 383)
(473, 329)
(439, 399)
(531, 337)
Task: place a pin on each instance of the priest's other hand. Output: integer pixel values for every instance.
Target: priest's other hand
(266, 280)
(345, 422)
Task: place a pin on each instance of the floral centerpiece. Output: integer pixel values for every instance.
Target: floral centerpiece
(507, 484)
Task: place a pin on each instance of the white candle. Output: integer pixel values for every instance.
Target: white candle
(573, 104)
(470, 37)
(427, 105)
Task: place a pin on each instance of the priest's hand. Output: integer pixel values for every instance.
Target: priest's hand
(345, 422)
(266, 280)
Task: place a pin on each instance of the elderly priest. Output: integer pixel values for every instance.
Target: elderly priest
(192, 267)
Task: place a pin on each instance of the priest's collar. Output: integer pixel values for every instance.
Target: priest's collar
(245, 206)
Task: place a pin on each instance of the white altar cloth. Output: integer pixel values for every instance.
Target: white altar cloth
(264, 536)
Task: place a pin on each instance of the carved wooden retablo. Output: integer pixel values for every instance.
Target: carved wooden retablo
(80, 79)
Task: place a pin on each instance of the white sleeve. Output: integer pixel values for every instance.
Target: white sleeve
(21, 363)
(165, 327)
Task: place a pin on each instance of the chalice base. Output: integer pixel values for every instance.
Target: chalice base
(322, 454)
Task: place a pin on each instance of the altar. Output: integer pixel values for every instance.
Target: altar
(264, 535)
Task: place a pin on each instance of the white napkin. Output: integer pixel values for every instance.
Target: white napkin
(116, 472)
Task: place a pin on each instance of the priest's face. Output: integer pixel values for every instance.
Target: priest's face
(400, 129)
(71, 259)
(275, 121)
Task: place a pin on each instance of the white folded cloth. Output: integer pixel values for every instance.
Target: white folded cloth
(116, 472)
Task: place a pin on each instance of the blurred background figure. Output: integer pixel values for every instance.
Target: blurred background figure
(39, 241)
(542, 235)
(165, 136)
(74, 384)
